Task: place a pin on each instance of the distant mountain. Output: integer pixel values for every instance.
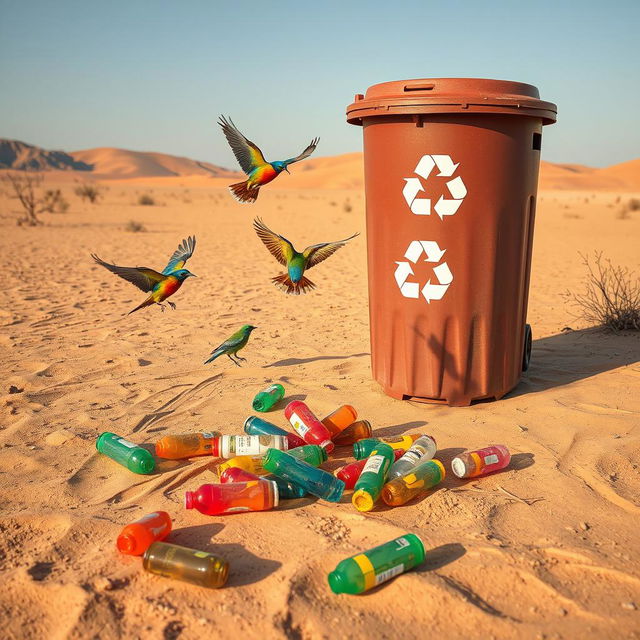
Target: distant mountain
(20, 155)
(105, 162)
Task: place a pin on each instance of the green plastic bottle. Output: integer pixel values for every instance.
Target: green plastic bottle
(312, 454)
(371, 480)
(268, 398)
(128, 454)
(375, 566)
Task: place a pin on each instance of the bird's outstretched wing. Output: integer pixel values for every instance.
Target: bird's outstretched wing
(143, 277)
(316, 253)
(306, 153)
(279, 247)
(231, 342)
(180, 255)
(246, 152)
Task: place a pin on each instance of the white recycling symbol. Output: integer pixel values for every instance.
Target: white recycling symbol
(442, 272)
(444, 206)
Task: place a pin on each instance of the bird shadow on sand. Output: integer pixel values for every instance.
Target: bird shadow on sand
(248, 568)
(291, 362)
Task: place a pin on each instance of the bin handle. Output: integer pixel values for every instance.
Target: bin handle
(419, 86)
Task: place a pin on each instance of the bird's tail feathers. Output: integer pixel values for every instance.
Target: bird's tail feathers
(216, 354)
(146, 303)
(283, 281)
(242, 193)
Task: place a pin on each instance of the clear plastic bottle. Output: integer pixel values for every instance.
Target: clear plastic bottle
(286, 490)
(233, 497)
(128, 454)
(136, 537)
(481, 461)
(340, 419)
(307, 426)
(375, 566)
(186, 445)
(354, 432)
(189, 565)
(423, 449)
(316, 481)
(266, 399)
(255, 426)
(417, 481)
(231, 446)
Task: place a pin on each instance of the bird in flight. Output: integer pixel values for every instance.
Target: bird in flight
(160, 285)
(232, 345)
(296, 263)
(252, 161)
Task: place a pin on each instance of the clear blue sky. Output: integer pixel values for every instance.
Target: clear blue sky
(154, 75)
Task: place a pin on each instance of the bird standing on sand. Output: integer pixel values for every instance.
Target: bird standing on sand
(284, 252)
(232, 345)
(161, 285)
(252, 161)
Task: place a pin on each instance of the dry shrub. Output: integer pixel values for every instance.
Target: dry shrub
(54, 202)
(347, 206)
(26, 188)
(612, 295)
(88, 191)
(135, 227)
(146, 200)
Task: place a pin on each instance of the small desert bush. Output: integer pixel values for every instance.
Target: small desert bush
(146, 200)
(347, 206)
(135, 227)
(88, 191)
(612, 296)
(54, 202)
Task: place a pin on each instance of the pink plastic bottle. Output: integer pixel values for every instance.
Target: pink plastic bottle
(216, 499)
(307, 426)
(481, 461)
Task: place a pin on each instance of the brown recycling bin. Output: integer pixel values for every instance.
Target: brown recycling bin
(451, 174)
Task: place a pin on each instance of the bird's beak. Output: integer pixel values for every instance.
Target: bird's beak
(193, 274)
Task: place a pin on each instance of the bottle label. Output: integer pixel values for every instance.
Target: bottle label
(126, 443)
(413, 455)
(393, 440)
(492, 459)
(300, 427)
(272, 388)
(249, 445)
(402, 543)
(373, 464)
(389, 573)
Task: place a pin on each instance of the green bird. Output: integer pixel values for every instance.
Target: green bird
(232, 345)
(284, 252)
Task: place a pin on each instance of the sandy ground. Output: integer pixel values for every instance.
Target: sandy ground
(564, 566)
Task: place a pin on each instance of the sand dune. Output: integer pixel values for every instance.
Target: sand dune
(562, 560)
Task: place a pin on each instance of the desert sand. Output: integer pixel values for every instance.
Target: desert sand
(559, 561)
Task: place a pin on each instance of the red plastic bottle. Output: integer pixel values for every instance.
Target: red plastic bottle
(216, 499)
(235, 474)
(307, 426)
(138, 536)
(350, 473)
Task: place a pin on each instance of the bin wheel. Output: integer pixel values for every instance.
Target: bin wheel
(528, 339)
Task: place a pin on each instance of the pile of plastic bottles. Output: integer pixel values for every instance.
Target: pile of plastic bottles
(267, 464)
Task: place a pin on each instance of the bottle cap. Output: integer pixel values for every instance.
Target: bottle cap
(126, 543)
(458, 467)
(146, 463)
(443, 473)
(327, 447)
(160, 448)
(336, 582)
(188, 500)
(215, 447)
(362, 500)
(276, 492)
(247, 423)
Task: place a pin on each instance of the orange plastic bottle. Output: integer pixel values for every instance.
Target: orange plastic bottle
(354, 432)
(138, 536)
(186, 445)
(340, 419)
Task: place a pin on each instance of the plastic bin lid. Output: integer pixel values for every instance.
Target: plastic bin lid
(450, 95)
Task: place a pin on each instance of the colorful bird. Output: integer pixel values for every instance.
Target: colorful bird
(232, 345)
(284, 252)
(161, 285)
(252, 161)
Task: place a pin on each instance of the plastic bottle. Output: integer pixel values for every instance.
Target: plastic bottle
(307, 426)
(255, 426)
(128, 454)
(340, 419)
(268, 398)
(354, 432)
(189, 565)
(369, 485)
(311, 454)
(423, 449)
(481, 462)
(375, 566)
(231, 446)
(136, 537)
(286, 490)
(350, 473)
(363, 448)
(186, 445)
(316, 481)
(253, 464)
(233, 497)
(417, 481)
